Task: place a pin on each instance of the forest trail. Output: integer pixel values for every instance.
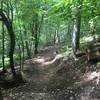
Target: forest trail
(51, 77)
(43, 66)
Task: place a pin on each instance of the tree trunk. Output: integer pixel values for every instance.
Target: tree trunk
(3, 44)
(28, 49)
(23, 54)
(26, 43)
(36, 38)
(56, 37)
(3, 48)
(37, 29)
(20, 54)
(76, 29)
(8, 24)
(36, 43)
(1, 97)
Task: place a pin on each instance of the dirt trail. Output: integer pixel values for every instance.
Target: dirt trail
(50, 77)
(39, 72)
(43, 66)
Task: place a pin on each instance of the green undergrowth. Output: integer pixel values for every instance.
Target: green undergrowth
(85, 42)
(65, 50)
(16, 60)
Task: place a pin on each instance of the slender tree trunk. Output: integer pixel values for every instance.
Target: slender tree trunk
(36, 44)
(3, 44)
(28, 49)
(37, 33)
(23, 51)
(9, 26)
(68, 35)
(3, 48)
(76, 29)
(11, 11)
(27, 44)
(20, 57)
(11, 52)
(54, 38)
(1, 97)
(36, 38)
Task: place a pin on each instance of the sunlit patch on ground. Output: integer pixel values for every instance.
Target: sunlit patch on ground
(43, 61)
(87, 39)
(91, 77)
(39, 60)
(57, 57)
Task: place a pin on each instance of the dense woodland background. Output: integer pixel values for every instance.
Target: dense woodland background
(70, 28)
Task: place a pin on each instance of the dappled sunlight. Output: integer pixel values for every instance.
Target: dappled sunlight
(46, 60)
(42, 59)
(86, 39)
(39, 60)
(87, 97)
(90, 77)
(57, 57)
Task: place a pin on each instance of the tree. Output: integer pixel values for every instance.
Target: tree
(76, 28)
(9, 26)
(1, 97)
(3, 44)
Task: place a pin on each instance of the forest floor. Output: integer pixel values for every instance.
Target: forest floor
(51, 76)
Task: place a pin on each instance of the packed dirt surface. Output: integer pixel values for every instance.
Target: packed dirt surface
(50, 76)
